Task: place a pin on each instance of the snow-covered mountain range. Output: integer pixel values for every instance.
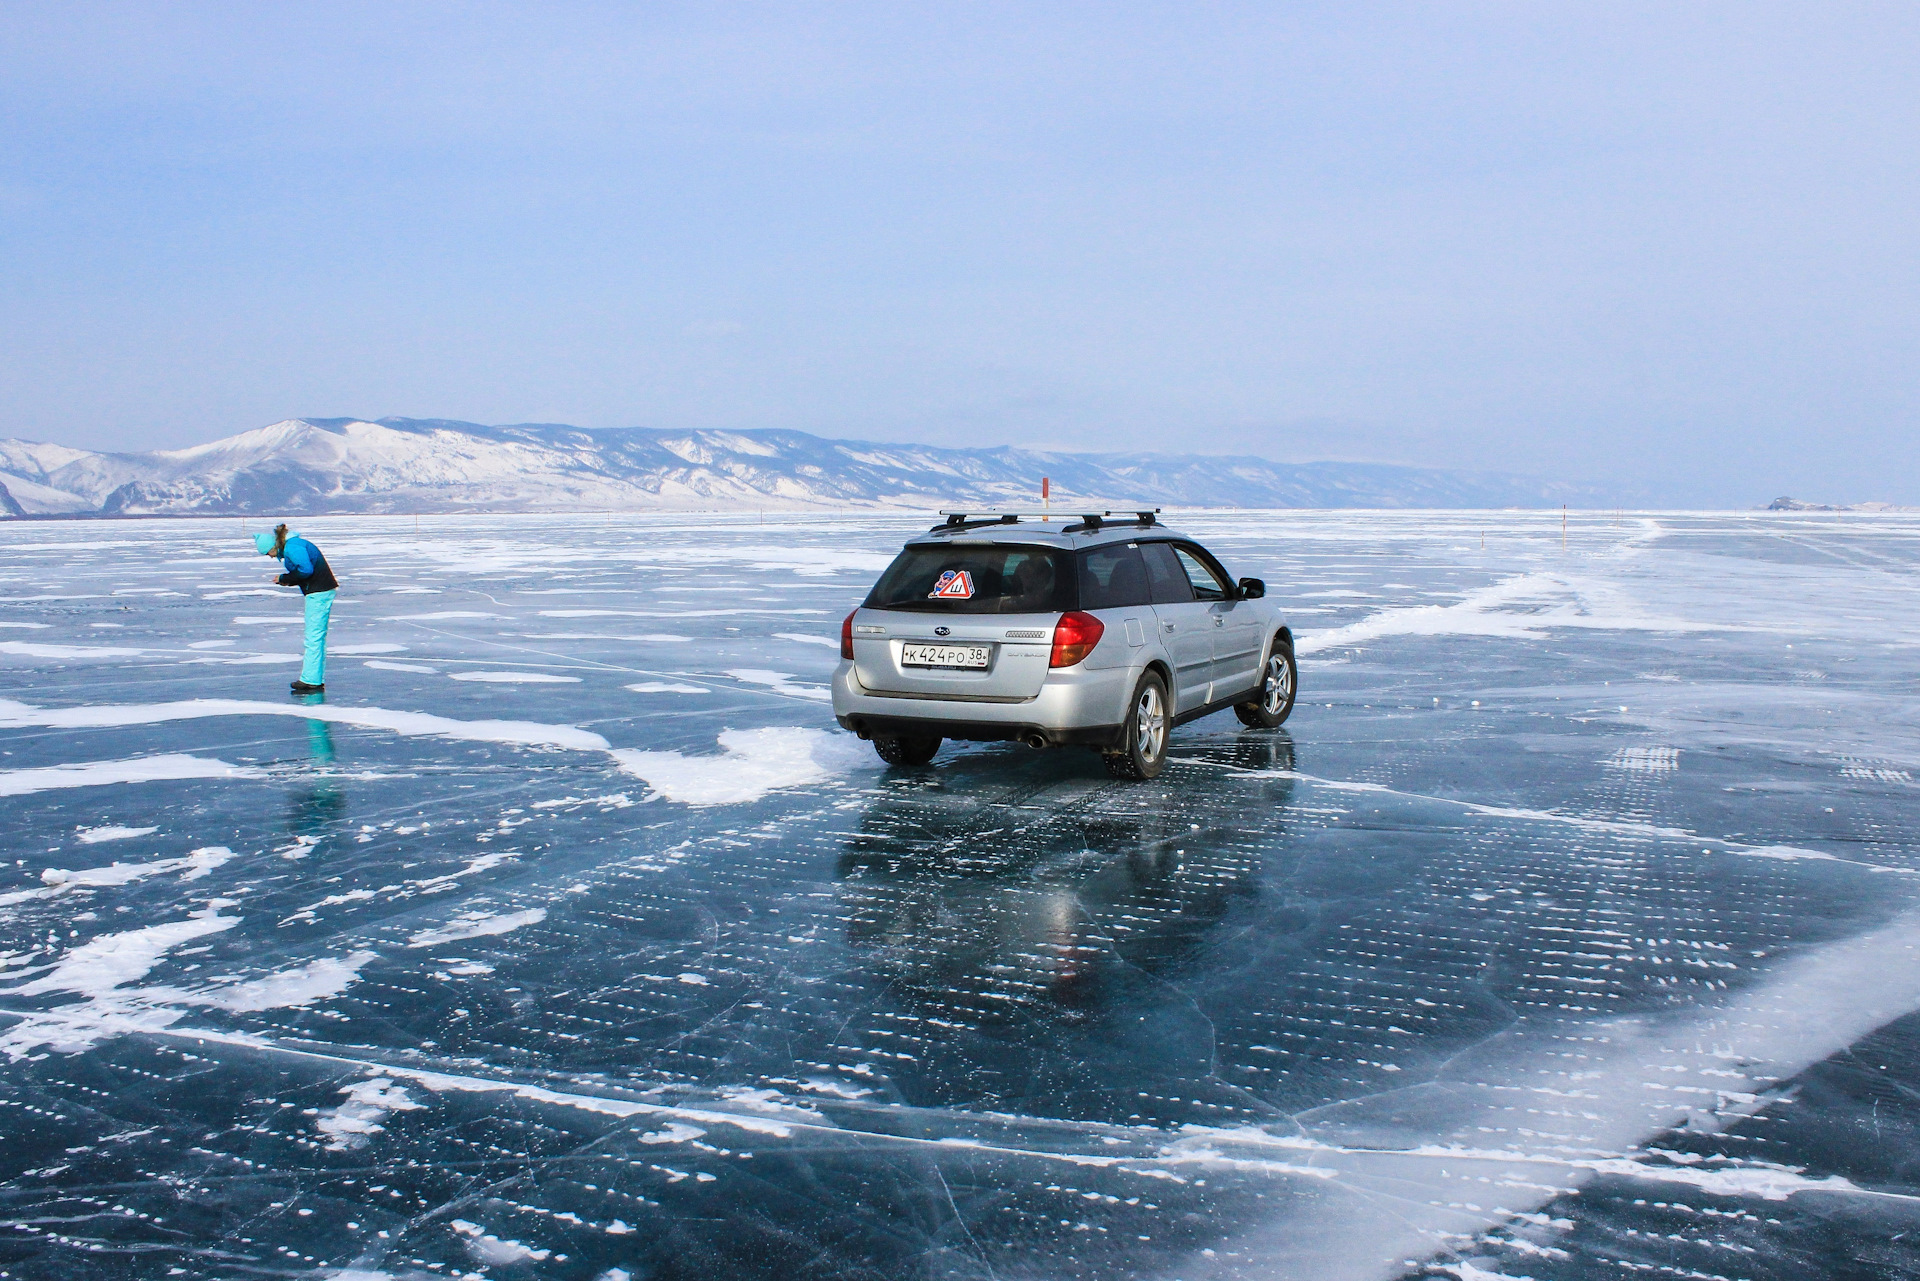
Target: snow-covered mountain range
(310, 465)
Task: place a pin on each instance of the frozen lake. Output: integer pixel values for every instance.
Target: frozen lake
(1570, 929)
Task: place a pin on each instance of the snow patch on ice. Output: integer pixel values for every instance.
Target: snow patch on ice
(476, 924)
(1790, 853)
(378, 665)
(309, 912)
(655, 637)
(438, 616)
(667, 613)
(752, 763)
(59, 880)
(667, 687)
(303, 985)
(111, 960)
(492, 1250)
(98, 970)
(116, 715)
(1771, 1183)
(203, 860)
(780, 683)
(95, 835)
(771, 1102)
(140, 769)
(1523, 606)
(839, 1089)
(353, 1123)
(1468, 1272)
(515, 678)
(28, 649)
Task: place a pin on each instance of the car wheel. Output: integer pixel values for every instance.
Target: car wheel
(1279, 681)
(907, 749)
(1143, 750)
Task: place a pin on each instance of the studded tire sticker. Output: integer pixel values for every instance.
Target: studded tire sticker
(954, 584)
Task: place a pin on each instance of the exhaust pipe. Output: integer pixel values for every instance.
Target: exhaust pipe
(1034, 739)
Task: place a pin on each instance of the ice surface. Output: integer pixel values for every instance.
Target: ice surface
(1569, 930)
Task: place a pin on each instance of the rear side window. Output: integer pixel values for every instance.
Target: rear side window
(1166, 580)
(1113, 577)
(982, 579)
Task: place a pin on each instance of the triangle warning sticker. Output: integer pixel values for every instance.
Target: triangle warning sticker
(954, 584)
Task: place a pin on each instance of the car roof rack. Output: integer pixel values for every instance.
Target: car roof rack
(1094, 522)
(1090, 521)
(957, 521)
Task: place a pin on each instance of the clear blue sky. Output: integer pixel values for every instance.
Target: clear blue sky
(1668, 245)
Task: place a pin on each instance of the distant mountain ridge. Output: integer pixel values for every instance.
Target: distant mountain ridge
(307, 466)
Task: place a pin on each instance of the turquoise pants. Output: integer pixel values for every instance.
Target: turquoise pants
(319, 609)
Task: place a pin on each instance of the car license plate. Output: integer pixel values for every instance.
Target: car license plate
(943, 656)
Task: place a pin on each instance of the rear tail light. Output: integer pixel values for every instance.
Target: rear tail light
(846, 636)
(1074, 637)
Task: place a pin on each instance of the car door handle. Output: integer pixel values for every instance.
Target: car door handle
(1219, 621)
(1168, 626)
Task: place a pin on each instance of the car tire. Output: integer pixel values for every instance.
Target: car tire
(907, 749)
(1279, 683)
(1142, 753)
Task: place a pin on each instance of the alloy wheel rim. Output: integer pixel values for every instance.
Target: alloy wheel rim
(1279, 684)
(1151, 722)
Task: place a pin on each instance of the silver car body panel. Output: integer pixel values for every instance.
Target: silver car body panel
(1211, 652)
(1017, 645)
(1186, 635)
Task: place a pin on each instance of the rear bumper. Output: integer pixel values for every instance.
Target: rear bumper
(1072, 707)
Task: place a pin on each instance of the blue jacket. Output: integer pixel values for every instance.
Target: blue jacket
(307, 569)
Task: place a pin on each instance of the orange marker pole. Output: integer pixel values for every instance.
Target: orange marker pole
(1046, 487)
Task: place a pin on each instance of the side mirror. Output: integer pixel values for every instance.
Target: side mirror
(1252, 589)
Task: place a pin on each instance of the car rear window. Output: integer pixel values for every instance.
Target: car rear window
(987, 578)
(1166, 579)
(1113, 577)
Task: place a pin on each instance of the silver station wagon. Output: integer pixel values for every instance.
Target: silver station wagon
(1088, 630)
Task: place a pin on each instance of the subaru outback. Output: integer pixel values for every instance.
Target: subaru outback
(1090, 631)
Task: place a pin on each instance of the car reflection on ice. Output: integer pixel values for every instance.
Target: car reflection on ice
(1068, 914)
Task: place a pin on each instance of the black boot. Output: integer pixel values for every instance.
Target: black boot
(301, 687)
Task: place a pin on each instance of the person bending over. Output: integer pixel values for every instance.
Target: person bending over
(306, 569)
